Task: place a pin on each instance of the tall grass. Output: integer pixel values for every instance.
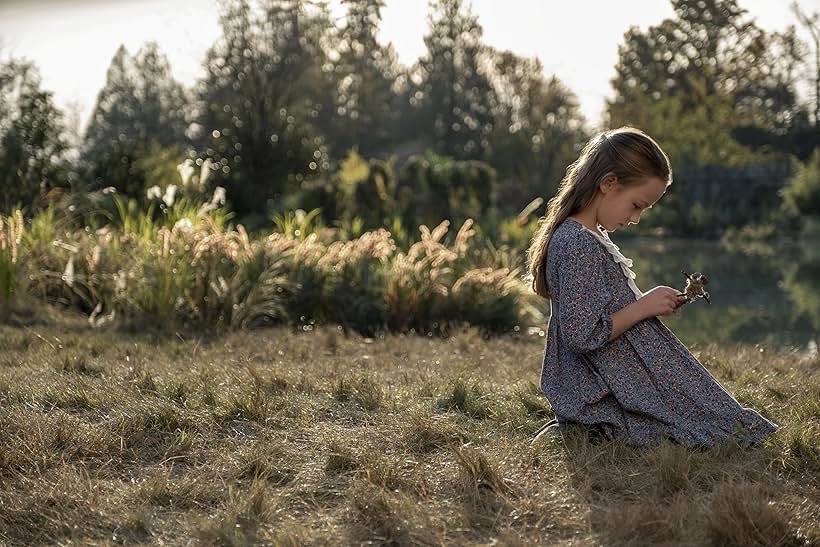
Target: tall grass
(188, 266)
(11, 232)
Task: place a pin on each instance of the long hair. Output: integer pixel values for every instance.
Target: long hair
(628, 152)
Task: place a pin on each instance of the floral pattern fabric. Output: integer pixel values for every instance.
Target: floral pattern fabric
(643, 385)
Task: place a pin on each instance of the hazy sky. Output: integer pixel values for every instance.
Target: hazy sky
(72, 41)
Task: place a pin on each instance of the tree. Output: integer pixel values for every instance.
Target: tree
(455, 96)
(538, 125)
(109, 145)
(262, 100)
(811, 24)
(366, 108)
(141, 107)
(161, 99)
(709, 56)
(802, 195)
(32, 140)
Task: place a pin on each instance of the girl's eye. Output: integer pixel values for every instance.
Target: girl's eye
(636, 206)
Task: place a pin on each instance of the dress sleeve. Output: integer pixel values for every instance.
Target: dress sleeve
(582, 297)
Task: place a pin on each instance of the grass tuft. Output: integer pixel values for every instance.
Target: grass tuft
(363, 391)
(467, 397)
(742, 513)
(484, 490)
(340, 459)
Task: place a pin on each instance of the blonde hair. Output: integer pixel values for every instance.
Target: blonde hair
(628, 152)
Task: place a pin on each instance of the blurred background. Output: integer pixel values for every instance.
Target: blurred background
(128, 126)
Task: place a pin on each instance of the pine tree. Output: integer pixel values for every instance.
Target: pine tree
(32, 141)
(262, 101)
(365, 103)
(456, 97)
(141, 107)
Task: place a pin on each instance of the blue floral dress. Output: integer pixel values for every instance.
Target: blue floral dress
(645, 384)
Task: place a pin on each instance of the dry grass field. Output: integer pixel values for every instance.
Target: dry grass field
(285, 437)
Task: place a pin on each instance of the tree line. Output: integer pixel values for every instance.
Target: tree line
(289, 95)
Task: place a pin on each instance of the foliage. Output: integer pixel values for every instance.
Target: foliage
(32, 140)
(138, 123)
(260, 105)
(538, 127)
(297, 110)
(802, 194)
(188, 267)
(366, 107)
(728, 84)
(431, 187)
(454, 95)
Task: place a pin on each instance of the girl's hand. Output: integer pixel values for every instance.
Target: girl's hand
(661, 300)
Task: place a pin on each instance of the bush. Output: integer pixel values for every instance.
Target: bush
(204, 273)
(802, 194)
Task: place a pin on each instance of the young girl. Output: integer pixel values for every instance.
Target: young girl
(610, 364)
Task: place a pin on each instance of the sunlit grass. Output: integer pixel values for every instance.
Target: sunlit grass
(286, 436)
(187, 267)
(11, 233)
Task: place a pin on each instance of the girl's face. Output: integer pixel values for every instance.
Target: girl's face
(622, 205)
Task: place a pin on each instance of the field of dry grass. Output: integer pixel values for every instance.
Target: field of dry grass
(286, 437)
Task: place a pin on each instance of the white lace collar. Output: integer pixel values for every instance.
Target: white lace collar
(624, 262)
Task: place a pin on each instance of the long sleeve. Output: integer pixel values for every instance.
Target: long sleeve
(583, 295)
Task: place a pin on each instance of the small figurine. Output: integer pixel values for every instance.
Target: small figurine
(694, 287)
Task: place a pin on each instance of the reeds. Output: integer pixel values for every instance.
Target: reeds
(11, 233)
(191, 268)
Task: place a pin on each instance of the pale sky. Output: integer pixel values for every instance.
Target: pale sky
(72, 41)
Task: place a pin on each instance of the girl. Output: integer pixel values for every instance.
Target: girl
(610, 364)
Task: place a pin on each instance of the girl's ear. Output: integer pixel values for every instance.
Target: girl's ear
(608, 182)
